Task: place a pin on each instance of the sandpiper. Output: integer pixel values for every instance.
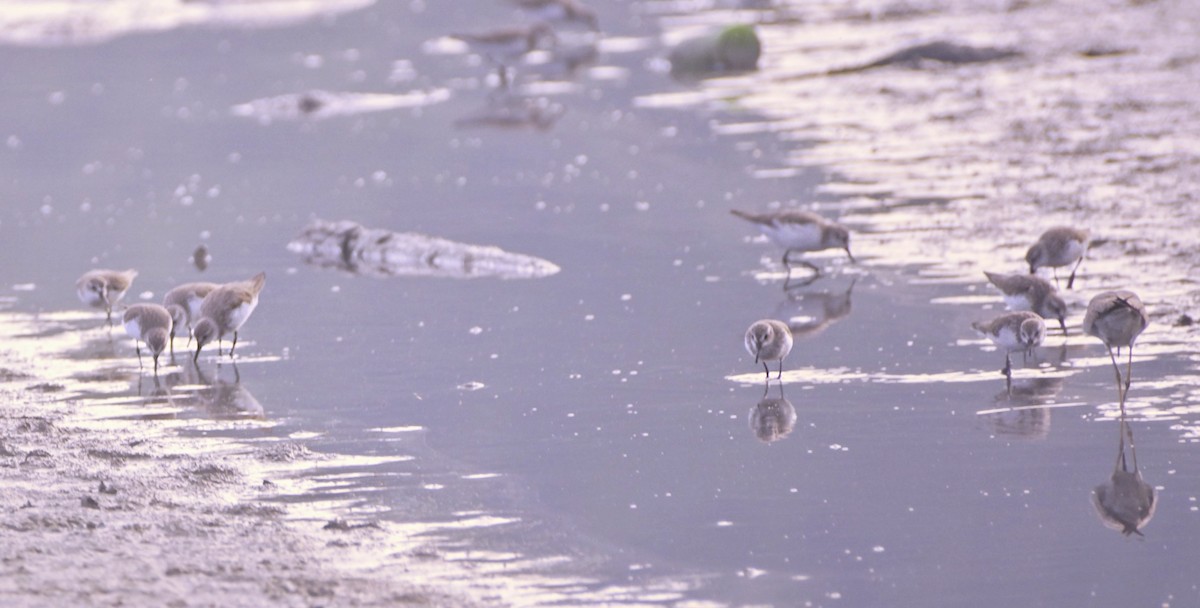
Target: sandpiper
(505, 45)
(224, 310)
(561, 10)
(183, 302)
(1013, 331)
(104, 288)
(769, 340)
(1028, 292)
(800, 231)
(1117, 318)
(1058, 247)
(149, 323)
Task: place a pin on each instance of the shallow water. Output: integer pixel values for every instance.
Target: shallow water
(592, 437)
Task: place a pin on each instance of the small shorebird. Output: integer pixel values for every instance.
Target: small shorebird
(183, 302)
(149, 323)
(799, 231)
(1117, 318)
(502, 46)
(1028, 292)
(104, 288)
(561, 10)
(1058, 247)
(769, 340)
(224, 310)
(1011, 332)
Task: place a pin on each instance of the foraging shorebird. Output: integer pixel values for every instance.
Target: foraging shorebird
(1058, 247)
(506, 45)
(224, 310)
(1012, 332)
(1028, 292)
(799, 231)
(183, 302)
(149, 323)
(104, 288)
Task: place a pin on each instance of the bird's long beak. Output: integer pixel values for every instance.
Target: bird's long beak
(850, 255)
(757, 350)
(196, 357)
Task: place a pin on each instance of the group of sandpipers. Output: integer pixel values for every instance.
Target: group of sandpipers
(208, 310)
(1117, 318)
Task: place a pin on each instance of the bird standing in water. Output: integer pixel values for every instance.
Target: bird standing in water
(769, 340)
(224, 310)
(1117, 318)
(800, 231)
(1058, 247)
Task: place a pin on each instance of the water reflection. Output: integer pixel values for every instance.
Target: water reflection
(1125, 503)
(773, 418)
(1020, 408)
(509, 111)
(353, 248)
(320, 105)
(214, 396)
(810, 312)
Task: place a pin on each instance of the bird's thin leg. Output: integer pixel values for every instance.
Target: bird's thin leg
(788, 285)
(155, 366)
(1055, 271)
(234, 344)
(1121, 465)
(1007, 371)
(1008, 386)
(172, 341)
(139, 352)
(218, 346)
(1071, 281)
(767, 370)
(1132, 448)
(1117, 373)
(1129, 370)
(189, 342)
(780, 376)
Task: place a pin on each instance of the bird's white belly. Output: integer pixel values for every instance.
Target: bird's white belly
(133, 327)
(239, 314)
(90, 297)
(1008, 339)
(193, 307)
(1071, 252)
(806, 237)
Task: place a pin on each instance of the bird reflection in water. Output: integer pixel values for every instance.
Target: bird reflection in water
(514, 112)
(1021, 410)
(215, 397)
(773, 418)
(1125, 503)
(808, 313)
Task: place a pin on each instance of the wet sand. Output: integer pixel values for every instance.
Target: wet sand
(127, 513)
